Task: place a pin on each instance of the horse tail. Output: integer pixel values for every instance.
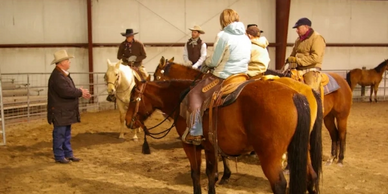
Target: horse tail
(348, 79)
(316, 142)
(298, 148)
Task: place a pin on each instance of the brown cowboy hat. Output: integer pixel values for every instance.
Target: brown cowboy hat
(197, 28)
(128, 32)
(61, 55)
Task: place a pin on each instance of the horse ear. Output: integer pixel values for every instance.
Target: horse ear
(108, 62)
(162, 60)
(171, 60)
(118, 64)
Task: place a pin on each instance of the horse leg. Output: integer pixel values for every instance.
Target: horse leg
(193, 153)
(371, 93)
(330, 125)
(227, 172)
(342, 126)
(376, 87)
(311, 175)
(273, 171)
(211, 171)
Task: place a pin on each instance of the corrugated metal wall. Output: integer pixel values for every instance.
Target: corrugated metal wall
(167, 21)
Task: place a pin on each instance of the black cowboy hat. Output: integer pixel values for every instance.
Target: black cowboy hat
(128, 32)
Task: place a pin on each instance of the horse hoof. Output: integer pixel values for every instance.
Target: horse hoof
(223, 182)
(121, 137)
(328, 162)
(340, 163)
(135, 139)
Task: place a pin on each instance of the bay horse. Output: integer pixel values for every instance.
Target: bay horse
(167, 69)
(370, 77)
(120, 82)
(337, 106)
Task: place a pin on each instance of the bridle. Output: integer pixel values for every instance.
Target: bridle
(137, 100)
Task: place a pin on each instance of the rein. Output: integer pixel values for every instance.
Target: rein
(164, 133)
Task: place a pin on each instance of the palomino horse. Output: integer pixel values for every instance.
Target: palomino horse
(337, 106)
(169, 70)
(120, 83)
(371, 77)
(270, 124)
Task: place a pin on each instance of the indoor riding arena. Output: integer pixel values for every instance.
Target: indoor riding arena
(356, 37)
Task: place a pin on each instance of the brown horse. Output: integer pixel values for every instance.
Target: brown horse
(370, 77)
(169, 70)
(337, 106)
(269, 124)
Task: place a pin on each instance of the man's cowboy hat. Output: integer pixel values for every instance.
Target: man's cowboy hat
(128, 32)
(61, 55)
(197, 28)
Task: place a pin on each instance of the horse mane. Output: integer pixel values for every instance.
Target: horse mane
(381, 66)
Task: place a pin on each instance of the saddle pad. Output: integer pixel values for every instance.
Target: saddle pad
(331, 86)
(230, 98)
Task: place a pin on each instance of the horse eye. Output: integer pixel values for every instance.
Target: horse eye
(158, 78)
(117, 74)
(161, 71)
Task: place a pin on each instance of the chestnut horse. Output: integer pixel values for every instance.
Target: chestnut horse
(337, 106)
(370, 77)
(169, 70)
(270, 124)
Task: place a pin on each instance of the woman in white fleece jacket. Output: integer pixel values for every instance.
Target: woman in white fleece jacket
(259, 53)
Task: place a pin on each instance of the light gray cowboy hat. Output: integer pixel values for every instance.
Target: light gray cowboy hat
(197, 28)
(60, 56)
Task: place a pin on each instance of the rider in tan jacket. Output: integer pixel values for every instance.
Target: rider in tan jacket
(307, 54)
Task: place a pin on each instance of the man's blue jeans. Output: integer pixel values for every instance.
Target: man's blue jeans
(61, 142)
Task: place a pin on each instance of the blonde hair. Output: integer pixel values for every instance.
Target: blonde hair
(227, 17)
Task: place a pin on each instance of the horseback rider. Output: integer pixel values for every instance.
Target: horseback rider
(259, 53)
(194, 52)
(132, 53)
(307, 54)
(231, 56)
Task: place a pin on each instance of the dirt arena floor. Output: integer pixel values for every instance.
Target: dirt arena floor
(111, 165)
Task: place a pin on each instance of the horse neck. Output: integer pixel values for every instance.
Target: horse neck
(182, 72)
(125, 83)
(380, 69)
(166, 99)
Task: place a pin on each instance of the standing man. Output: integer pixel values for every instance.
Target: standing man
(307, 54)
(194, 53)
(132, 52)
(62, 106)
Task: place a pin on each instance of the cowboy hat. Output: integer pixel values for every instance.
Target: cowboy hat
(128, 32)
(61, 55)
(197, 28)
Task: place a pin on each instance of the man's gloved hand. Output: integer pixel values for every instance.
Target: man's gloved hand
(132, 58)
(195, 66)
(188, 63)
(291, 59)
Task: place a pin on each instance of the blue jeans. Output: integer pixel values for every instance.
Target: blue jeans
(197, 129)
(61, 142)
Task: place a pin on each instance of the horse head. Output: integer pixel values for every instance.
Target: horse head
(112, 76)
(160, 68)
(169, 69)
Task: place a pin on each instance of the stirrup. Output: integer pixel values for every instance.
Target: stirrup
(194, 141)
